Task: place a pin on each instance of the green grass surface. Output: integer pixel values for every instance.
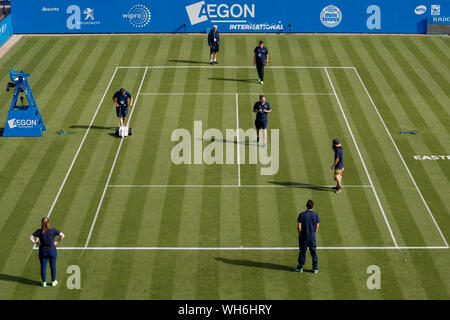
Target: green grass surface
(408, 78)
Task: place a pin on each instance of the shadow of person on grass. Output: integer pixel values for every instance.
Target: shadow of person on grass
(11, 278)
(290, 184)
(255, 264)
(238, 80)
(246, 142)
(188, 61)
(92, 127)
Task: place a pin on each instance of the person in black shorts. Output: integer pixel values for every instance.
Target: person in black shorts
(120, 99)
(261, 108)
(213, 43)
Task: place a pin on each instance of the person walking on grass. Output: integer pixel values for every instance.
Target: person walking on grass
(338, 165)
(44, 238)
(261, 108)
(213, 43)
(261, 60)
(308, 225)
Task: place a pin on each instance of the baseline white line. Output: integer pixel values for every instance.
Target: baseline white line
(81, 145)
(362, 160)
(233, 93)
(248, 248)
(401, 158)
(113, 166)
(238, 155)
(232, 67)
(229, 186)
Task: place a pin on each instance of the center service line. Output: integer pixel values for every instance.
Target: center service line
(362, 159)
(113, 165)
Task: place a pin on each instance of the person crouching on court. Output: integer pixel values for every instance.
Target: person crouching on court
(338, 165)
(47, 248)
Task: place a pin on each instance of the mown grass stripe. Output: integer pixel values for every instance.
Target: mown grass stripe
(422, 88)
(210, 224)
(408, 103)
(170, 222)
(439, 78)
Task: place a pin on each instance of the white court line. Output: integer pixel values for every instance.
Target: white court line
(238, 145)
(249, 248)
(233, 93)
(231, 67)
(362, 160)
(113, 165)
(230, 186)
(401, 158)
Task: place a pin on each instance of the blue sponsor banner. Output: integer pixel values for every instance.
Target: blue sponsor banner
(5, 29)
(129, 16)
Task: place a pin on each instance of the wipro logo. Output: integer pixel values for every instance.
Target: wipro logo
(200, 11)
(139, 16)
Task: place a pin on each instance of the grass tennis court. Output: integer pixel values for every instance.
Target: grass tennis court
(141, 227)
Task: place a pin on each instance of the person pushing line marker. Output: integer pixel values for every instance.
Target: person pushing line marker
(120, 99)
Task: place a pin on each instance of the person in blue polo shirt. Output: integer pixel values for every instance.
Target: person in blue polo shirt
(261, 108)
(213, 43)
(338, 164)
(308, 225)
(120, 99)
(261, 59)
(47, 248)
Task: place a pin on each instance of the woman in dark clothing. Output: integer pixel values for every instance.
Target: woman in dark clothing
(44, 238)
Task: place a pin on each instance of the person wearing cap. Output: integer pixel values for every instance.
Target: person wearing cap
(261, 60)
(338, 165)
(213, 43)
